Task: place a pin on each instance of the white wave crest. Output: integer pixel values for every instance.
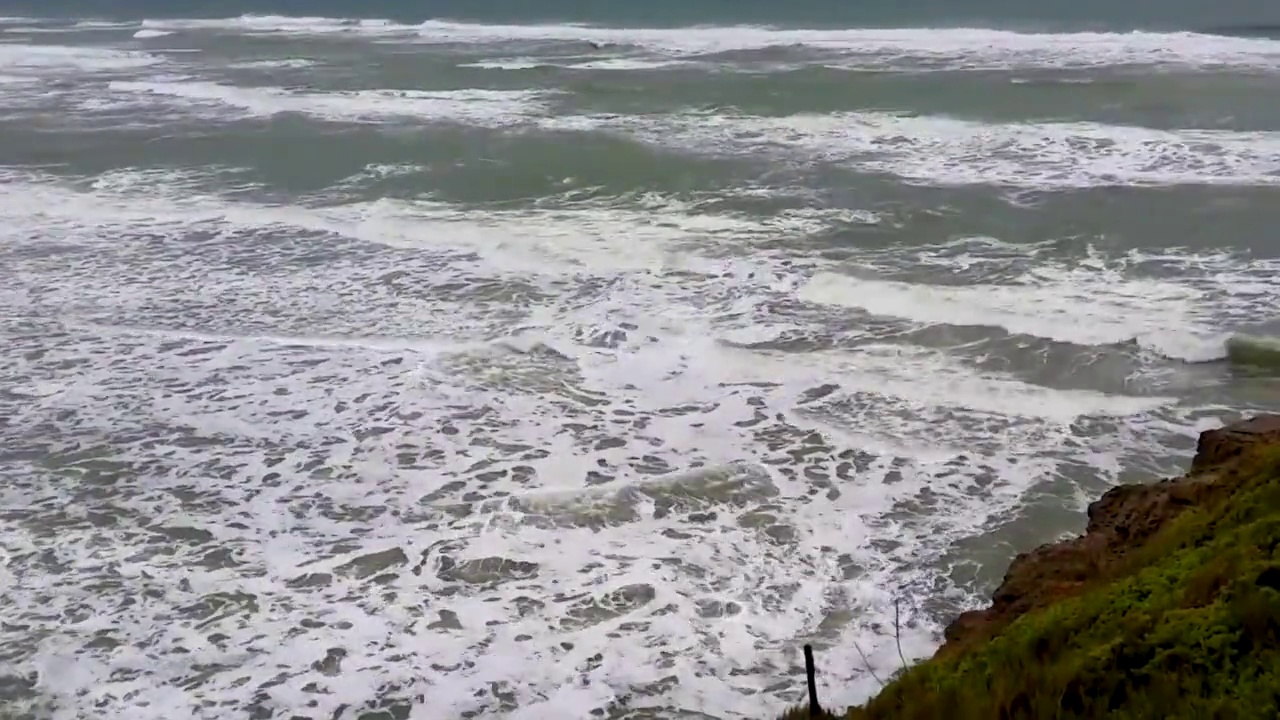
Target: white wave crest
(938, 150)
(953, 47)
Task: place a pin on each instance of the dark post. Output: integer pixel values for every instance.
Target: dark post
(815, 710)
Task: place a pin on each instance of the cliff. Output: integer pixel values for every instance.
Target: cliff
(1167, 606)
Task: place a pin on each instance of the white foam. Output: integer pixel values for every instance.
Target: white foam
(290, 63)
(513, 64)
(1087, 304)
(623, 63)
(474, 106)
(957, 47)
(615, 63)
(62, 58)
(938, 150)
(894, 372)
(591, 236)
(34, 30)
(102, 25)
(145, 34)
(380, 171)
(281, 25)
(297, 383)
(860, 47)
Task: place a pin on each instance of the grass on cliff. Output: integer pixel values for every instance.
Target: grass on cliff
(1189, 627)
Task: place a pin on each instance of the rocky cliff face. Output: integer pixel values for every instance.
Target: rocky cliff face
(1119, 521)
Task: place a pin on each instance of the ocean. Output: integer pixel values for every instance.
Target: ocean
(585, 360)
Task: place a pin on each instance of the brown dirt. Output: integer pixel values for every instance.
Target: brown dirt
(1119, 521)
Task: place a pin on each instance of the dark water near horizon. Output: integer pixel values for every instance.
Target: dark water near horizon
(436, 361)
(1168, 15)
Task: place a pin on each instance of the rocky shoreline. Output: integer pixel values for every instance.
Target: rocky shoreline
(1138, 568)
(1119, 522)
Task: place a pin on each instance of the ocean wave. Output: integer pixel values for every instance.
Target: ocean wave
(582, 63)
(287, 63)
(947, 151)
(102, 25)
(280, 24)
(473, 106)
(1090, 306)
(934, 150)
(62, 58)
(953, 47)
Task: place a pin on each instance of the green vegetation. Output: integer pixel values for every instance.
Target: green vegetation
(1185, 626)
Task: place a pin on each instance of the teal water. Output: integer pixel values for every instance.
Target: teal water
(1236, 15)
(470, 361)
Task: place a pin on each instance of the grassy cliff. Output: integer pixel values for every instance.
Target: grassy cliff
(1167, 607)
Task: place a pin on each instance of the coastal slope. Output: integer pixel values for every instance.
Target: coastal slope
(1167, 606)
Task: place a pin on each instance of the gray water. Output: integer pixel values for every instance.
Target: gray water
(464, 369)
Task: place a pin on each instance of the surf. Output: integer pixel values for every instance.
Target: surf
(1258, 352)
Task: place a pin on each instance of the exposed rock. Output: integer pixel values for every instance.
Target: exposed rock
(1119, 521)
(1224, 444)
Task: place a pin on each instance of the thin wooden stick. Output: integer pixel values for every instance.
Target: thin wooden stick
(897, 634)
(867, 663)
(815, 710)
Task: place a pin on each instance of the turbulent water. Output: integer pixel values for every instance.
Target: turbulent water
(498, 369)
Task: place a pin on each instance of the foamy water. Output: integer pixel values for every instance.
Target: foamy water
(965, 47)
(404, 384)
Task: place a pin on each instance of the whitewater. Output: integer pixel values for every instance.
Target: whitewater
(360, 368)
